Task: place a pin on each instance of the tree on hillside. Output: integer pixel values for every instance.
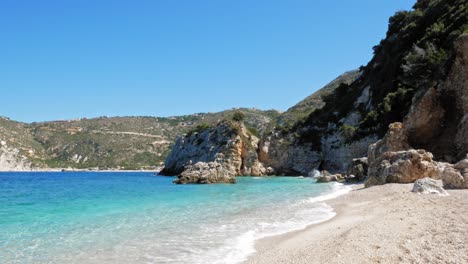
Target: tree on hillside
(238, 116)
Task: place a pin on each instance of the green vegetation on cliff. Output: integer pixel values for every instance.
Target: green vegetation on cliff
(415, 56)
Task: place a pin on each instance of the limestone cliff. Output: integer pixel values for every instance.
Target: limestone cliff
(12, 160)
(229, 144)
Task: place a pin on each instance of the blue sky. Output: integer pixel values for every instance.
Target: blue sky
(67, 58)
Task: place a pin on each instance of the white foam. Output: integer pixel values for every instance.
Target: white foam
(311, 211)
(338, 190)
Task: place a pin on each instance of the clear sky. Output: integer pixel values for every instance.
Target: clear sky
(65, 59)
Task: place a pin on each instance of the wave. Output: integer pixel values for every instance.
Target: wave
(304, 213)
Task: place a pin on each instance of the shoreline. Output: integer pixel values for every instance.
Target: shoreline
(381, 224)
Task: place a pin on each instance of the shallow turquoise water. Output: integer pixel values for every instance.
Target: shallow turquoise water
(100, 217)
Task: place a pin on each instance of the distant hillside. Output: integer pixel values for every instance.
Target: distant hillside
(20, 136)
(113, 142)
(305, 107)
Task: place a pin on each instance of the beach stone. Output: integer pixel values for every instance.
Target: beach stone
(205, 173)
(428, 185)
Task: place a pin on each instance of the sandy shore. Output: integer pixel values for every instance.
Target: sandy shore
(381, 224)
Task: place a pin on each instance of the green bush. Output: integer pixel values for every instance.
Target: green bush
(348, 131)
(253, 131)
(238, 117)
(199, 128)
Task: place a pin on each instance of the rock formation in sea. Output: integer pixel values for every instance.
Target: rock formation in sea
(215, 154)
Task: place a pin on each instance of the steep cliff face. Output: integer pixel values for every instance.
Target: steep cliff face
(229, 144)
(438, 120)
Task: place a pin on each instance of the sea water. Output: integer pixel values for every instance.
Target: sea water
(101, 217)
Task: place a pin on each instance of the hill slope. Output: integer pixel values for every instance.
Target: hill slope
(112, 142)
(314, 101)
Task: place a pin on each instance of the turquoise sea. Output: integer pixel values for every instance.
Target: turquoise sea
(117, 217)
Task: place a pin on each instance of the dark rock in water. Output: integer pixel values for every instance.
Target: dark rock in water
(205, 173)
(428, 185)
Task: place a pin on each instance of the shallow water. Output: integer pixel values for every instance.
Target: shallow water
(109, 217)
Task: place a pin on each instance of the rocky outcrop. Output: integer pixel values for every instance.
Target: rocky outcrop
(390, 162)
(427, 186)
(205, 173)
(12, 160)
(402, 167)
(227, 149)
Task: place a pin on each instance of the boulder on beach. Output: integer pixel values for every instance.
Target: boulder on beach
(428, 185)
(404, 166)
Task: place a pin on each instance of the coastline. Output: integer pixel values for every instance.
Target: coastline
(382, 224)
